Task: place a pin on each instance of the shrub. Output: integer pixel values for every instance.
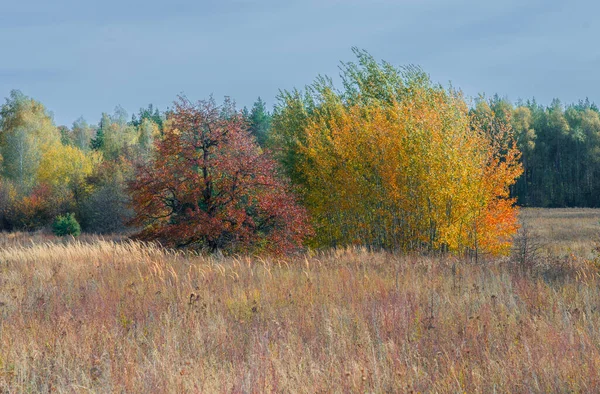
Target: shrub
(105, 210)
(66, 225)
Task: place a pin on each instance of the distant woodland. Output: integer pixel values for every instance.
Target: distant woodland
(389, 159)
(560, 146)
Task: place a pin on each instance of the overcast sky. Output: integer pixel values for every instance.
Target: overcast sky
(82, 58)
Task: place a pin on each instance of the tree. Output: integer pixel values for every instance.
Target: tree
(561, 150)
(8, 196)
(522, 123)
(260, 122)
(393, 161)
(148, 131)
(97, 143)
(34, 210)
(26, 131)
(65, 135)
(66, 225)
(81, 134)
(148, 113)
(211, 187)
(64, 168)
(107, 208)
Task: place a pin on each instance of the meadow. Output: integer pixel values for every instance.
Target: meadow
(564, 231)
(109, 315)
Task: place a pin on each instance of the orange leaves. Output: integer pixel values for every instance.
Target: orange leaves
(497, 226)
(410, 170)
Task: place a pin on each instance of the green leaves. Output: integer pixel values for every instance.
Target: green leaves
(66, 225)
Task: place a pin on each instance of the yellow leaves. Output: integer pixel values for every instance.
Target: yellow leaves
(397, 162)
(64, 164)
(408, 174)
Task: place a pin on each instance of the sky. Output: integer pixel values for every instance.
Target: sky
(82, 58)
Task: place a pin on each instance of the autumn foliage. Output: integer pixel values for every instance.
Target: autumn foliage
(396, 162)
(210, 186)
(389, 161)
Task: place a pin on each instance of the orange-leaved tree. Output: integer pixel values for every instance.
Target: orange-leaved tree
(394, 161)
(210, 186)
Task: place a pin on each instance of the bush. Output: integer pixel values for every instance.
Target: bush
(66, 225)
(106, 209)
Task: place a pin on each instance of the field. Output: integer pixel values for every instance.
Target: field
(564, 231)
(97, 315)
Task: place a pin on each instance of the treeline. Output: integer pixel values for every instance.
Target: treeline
(389, 160)
(560, 147)
(47, 171)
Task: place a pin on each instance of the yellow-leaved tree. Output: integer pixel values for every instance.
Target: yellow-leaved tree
(65, 169)
(394, 161)
(40, 177)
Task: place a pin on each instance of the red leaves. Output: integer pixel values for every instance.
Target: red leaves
(210, 186)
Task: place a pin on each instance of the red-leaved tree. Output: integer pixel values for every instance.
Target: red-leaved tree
(210, 186)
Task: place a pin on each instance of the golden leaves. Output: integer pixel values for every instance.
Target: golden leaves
(412, 173)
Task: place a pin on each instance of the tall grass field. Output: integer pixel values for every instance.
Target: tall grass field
(109, 315)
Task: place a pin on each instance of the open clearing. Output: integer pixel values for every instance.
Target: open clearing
(113, 316)
(563, 231)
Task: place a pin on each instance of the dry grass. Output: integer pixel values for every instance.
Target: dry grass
(564, 231)
(111, 316)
